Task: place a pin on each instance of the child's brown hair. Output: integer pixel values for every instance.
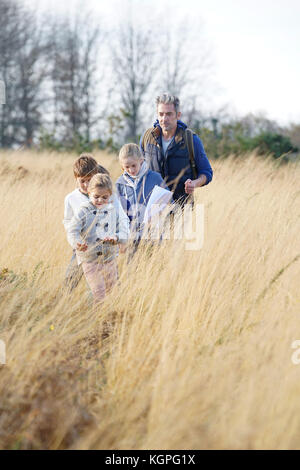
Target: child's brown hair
(86, 166)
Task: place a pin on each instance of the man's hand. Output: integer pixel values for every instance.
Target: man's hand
(189, 186)
(81, 247)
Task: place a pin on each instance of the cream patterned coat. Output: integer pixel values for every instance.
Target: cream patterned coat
(91, 225)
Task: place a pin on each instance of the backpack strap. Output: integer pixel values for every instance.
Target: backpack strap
(150, 136)
(190, 145)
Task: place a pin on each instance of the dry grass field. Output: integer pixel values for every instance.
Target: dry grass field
(199, 351)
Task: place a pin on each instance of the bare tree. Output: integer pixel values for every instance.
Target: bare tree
(22, 65)
(75, 47)
(175, 60)
(134, 69)
(186, 64)
(9, 44)
(32, 71)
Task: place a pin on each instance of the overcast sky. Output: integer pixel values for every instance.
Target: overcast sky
(256, 46)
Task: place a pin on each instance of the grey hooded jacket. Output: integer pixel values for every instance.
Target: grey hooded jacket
(91, 225)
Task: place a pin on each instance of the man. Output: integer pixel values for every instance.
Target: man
(164, 147)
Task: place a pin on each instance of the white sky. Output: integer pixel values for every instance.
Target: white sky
(256, 46)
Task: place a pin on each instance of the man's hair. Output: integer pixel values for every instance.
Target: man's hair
(166, 98)
(130, 150)
(101, 181)
(86, 165)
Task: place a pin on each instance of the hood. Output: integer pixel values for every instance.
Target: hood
(134, 181)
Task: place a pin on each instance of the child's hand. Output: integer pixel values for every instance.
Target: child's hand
(122, 247)
(81, 247)
(110, 240)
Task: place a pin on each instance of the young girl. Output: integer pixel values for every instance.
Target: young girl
(95, 232)
(135, 186)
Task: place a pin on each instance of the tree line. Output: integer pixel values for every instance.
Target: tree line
(74, 83)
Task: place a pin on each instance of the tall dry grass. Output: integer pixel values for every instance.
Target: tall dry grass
(199, 350)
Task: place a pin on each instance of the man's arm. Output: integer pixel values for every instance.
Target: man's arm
(191, 185)
(204, 169)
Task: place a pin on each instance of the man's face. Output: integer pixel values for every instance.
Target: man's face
(167, 117)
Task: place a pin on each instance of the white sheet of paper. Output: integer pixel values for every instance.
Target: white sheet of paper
(158, 200)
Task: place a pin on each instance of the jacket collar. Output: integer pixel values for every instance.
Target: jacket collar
(157, 131)
(130, 181)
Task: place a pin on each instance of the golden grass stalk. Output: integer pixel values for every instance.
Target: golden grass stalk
(197, 350)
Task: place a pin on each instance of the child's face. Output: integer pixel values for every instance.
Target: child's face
(83, 183)
(99, 197)
(132, 165)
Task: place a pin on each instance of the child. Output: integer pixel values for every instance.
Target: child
(94, 232)
(135, 186)
(84, 168)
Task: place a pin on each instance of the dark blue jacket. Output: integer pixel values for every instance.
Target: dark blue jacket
(176, 160)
